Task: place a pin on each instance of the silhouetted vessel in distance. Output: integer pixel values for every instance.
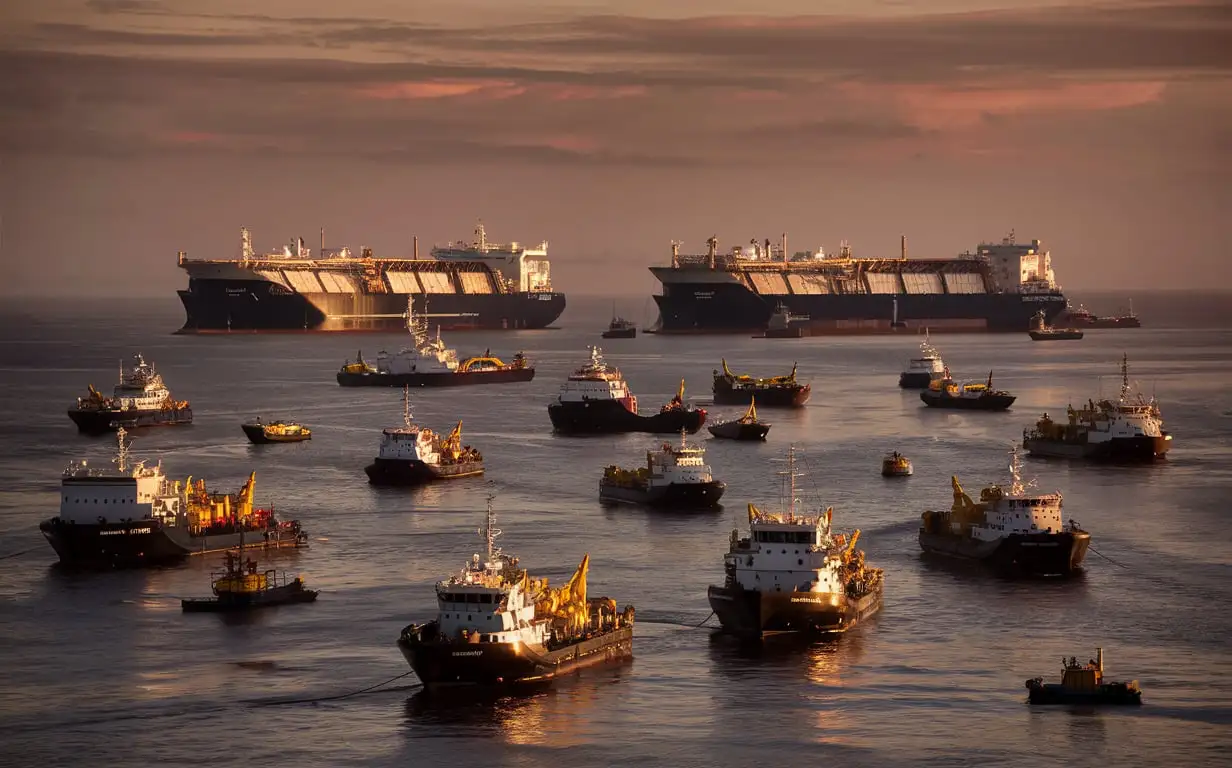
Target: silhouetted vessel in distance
(1042, 331)
(1083, 318)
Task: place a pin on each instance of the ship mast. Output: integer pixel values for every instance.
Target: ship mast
(1124, 377)
(121, 457)
(1016, 486)
(791, 476)
(490, 532)
(406, 405)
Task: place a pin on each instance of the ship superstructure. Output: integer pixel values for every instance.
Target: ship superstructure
(999, 287)
(467, 285)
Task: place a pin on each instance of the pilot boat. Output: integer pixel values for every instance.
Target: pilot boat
(596, 399)
(261, 432)
(1083, 684)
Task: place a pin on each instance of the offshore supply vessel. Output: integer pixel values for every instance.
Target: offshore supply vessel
(1000, 287)
(497, 626)
(674, 476)
(139, 400)
(478, 285)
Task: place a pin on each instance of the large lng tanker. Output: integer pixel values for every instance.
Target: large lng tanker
(998, 288)
(477, 285)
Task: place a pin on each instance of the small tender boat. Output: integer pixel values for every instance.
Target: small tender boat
(261, 432)
(896, 465)
(747, 427)
(1041, 331)
(978, 396)
(923, 370)
(1083, 684)
(240, 587)
(620, 328)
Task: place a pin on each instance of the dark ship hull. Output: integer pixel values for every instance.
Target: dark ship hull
(1038, 554)
(149, 542)
(719, 302)
(295, 592)
(786, 396)
(679, 495)
(1142, 448)
(736, 430)
(983, 403)
(401, 472)
(442, 664)
(609, 417)
(753, 615)
(1056, 335)
(1106, 693)
(916, 380)
(98, 422)
(620, 333)
(256, 434)
(454, 379)
(240, 305)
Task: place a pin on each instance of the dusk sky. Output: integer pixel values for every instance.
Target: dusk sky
(130, 129)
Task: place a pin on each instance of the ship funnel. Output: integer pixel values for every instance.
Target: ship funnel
(1099, 660)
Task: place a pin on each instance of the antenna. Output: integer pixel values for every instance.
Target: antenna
(406, 405)
(1124, 377)
(490, 531)
(121, 457)
(791, 476)
(1016, 486)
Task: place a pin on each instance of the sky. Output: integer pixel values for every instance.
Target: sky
(133, 129)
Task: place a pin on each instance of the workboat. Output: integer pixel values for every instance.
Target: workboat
(261, 432)
(1084, 318)
(429, 363)
(413, 455)
(793, 574)
(620, 328)
(747, 427)
(596, 399)
(134, 516)
(674, 476)
(896, 465)
(498, 626)
(1083, 684)
(140, 399)
(923, 370)
(1129, 429)
(241, 587)
(977, 396)
(1042, 331)
(775, 391)
(784, 325)
(1013, 531)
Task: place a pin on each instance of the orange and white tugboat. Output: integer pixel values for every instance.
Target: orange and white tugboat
(413, 455)
(674, 476)
(139, 400)
(793, 574)
(595, 399)
(498, 626)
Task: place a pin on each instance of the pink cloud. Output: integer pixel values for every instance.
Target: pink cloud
(441, 89)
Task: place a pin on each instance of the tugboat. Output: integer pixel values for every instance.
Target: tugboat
(1041, 331)
(261, 432)
(1083, 317)
(947, 393)
(776, 391)
(595, 399)
(498, 626)
(620, 328)
(414, 455)
(784, 325)
(792, 574)
(429, 363)
(240, 588)
(139, 400)
(1127, 430)
(1083, 684)
(1014, 532)
(674, 476)
(923, 370)
(747, 427)
(136, 516)
(896, 465)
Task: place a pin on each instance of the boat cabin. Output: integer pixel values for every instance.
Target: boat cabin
(597, 381)
(784, 553)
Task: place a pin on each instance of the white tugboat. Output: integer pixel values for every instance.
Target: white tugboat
(595, 399)
(923, 370)
(792, 574)
(674, 476)
(140, 399)
(1128, 429)
(429, 363)
(1009, 529)
(413, 455)
(496, 625)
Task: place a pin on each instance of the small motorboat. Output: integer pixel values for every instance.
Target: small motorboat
(261, 432)
(1042, 331)
(1083, 684)
(896, 465)
(240, 587)
(747, 427)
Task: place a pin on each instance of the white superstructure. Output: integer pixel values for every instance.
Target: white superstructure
(410, 442)
(1009, 511)
(681, 464)
(596, 380)
(1020, 267)
(140, 388)
(522, 269)
(426, 354)
(929, 362)
(90, 496)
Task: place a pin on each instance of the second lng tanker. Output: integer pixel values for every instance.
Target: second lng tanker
(1000, 287)
(476, 285)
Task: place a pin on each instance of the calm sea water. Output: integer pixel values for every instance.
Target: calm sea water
(104, 670)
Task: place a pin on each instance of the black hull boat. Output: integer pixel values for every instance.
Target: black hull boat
(915, 379)
(985, 402)
(99, 422)
(777, 392)
(443, 379)
(292, 592)
(753, 614)
(611, 416)
(440, 663)
(739, 430)
(1083, 684)
(150, 543)
(1056, 334)
(403, 472)
(1127, 449)
(1041, 554)
(677, 495)
(265, 434)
